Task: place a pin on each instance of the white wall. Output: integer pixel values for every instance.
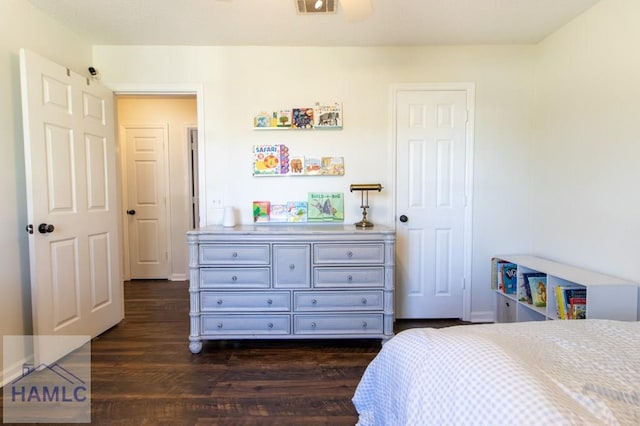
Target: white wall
(177, 113)
(560, 167)
(587, 147)
(22, 26)
(239, 81)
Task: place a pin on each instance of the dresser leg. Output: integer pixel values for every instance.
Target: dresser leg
(195, 347)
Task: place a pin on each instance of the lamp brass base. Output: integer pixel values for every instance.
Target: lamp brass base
(364, 224)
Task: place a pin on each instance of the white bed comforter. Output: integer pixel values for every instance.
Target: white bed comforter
(548, 373)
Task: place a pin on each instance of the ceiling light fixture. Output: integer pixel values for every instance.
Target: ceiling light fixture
(318, 4)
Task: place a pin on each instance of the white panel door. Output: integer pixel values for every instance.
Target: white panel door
(146, 201)
(70, 162)
(430, 143)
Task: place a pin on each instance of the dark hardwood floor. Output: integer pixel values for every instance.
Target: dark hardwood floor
(143, 373)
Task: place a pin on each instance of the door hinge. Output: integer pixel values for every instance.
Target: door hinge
(29, 228)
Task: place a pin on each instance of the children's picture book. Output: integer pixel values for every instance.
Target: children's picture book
(302, 118)
(284, 160)
(262, 119)
(578, 308)
(278, 212)
(509, 277)
(494, 273)
(284, 118)
(296, 165)
(312, 166)
(538, 287)
(270, 160)
(328, 116)
(524, 289)
(261, 211)
(332, 166)
(297, 211)
(266, 160)
(325, 207)
(564, 294)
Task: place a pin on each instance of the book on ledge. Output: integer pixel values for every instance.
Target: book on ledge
(564, 295)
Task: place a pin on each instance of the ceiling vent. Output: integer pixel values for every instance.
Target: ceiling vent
(309, 7)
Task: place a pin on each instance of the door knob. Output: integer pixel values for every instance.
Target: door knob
(131, 212)
(43, 228)
(404, 219)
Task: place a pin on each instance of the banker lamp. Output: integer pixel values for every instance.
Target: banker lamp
(364, 189)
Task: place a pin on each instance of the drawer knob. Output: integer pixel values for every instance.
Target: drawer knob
(314, 302)
(234, 278)
(349, 254)
(219, 301)
(364, 301)
(270, 325)
(350, 278)
(270, 302)
(292, 266)
(219, 325)
(313, 325)
(364, 324)
(234, 254)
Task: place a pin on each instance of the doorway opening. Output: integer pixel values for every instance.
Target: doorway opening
(158, 140)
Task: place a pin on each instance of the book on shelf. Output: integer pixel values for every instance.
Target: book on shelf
(261, 211)
(302, 118)
(297, 211)
(266, 160)
(538, 286)
(284, 118)
(564, 295)
(278, 212)
(578, 308)
(524, 289)
(270, 160)
(327, 116)
(494, 273)
(506, 276)
(325, 207)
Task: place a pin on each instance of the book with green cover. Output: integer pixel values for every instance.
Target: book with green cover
(325, 207)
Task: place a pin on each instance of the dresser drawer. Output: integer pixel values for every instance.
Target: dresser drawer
(292, 266)
(348, 253)
(338, 324)
(245, 325)
(338, 301)
(245, 301)
(235, 278)
(348, 277)
(234, 254)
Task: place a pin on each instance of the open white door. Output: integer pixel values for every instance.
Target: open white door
(72, 203)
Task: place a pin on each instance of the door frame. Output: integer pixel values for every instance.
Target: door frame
(193, 89)
(470, 90)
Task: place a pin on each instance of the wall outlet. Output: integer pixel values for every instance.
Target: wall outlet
(217, 201)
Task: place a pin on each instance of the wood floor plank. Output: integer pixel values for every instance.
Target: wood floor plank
(142, 372)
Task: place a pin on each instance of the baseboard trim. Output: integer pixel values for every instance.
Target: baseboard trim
(178, 277)
(14, 371)
(482, 316)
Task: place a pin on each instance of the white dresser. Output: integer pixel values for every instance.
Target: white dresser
(290, 282)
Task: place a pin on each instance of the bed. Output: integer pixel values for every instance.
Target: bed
(542, 372)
